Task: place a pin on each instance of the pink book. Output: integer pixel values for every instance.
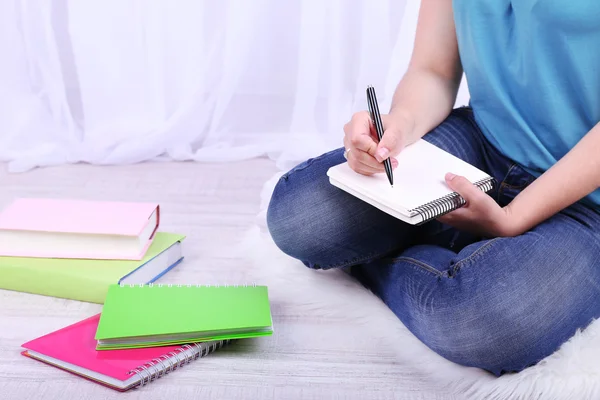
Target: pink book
(73, 349)
(54, 228)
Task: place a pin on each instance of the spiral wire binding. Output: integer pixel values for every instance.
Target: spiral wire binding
(184, 285)
(173, 360)
(448, 203)
(181, 356)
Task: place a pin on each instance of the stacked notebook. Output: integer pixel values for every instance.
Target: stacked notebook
(136, 316)
(112, 253)
(75, 249)
(73, 349)
(146, 331)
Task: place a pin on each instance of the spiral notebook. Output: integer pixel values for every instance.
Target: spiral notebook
(420, 192)
(73, 349)
(164, 314)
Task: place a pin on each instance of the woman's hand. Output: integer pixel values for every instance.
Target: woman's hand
(481, 215)
(364, 152)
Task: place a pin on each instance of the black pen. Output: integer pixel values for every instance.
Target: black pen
(376, 118)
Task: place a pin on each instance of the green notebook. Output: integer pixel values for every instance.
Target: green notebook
(88, 280)
(157, 315)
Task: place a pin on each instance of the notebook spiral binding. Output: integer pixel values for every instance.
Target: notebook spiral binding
(166, 363)
(448, 203)
(182, 285)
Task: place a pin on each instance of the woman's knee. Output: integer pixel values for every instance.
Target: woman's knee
(301, 206)
(492, 337)
(325, 227)
(284, 219)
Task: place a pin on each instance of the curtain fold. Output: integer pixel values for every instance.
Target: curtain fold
(113, 82)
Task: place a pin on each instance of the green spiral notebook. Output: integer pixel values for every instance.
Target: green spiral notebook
(136, 316)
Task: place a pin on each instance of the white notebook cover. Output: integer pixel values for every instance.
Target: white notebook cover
(418, 180)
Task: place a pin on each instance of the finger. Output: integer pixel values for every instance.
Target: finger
(460, 213)
(445, 219)
(359, 167)
(365, 169)
(365, 162)
(390, 145)
(460, 218)
(360, 124)
(384, 120)
(368, 160)
(395, 137)
(387, 122)
(359, 154)
(363, 135)
(359, 132)
(463, 187)
(364, 143)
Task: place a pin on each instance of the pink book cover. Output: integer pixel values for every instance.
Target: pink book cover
(78, 217)
(75, 344)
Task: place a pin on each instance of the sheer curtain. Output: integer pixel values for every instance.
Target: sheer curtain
(117, 82)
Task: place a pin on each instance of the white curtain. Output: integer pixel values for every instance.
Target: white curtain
(117, 82)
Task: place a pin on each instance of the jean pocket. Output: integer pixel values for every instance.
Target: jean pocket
(517, 178)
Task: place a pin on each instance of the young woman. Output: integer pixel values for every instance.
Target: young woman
(504, 281)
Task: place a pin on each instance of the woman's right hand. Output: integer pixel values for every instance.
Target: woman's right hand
(364, 152)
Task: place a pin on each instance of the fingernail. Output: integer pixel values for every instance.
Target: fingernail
(450, 176)
(382, 154)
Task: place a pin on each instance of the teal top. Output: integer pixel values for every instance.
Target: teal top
(533, 72)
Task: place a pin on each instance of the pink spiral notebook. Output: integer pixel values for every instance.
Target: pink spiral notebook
(73, 349)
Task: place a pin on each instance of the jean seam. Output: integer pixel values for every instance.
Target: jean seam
(424, 266)
(477, 253)
(523, 186)
(347, 263)
(453, 270)
(502, 184)
(307, 163)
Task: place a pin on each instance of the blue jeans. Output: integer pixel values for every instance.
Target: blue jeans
(500, 304)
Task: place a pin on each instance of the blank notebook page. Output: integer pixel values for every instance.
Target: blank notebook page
(418, 179)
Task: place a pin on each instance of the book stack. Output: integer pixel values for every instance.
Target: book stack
(146, 331)
(75, 249)
(112, 253)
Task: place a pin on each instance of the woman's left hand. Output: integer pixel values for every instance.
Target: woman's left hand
(480, 215)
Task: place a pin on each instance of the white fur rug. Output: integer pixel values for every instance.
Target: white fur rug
(573, 372)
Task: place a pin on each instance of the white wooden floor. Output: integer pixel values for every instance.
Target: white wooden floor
(213, 205)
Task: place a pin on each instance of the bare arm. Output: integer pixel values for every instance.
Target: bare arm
(573, 177)
(427, 92)
(423, 99)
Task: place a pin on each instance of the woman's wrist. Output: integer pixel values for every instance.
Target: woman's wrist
(513, 223)
(405, 121)
(402, 117)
